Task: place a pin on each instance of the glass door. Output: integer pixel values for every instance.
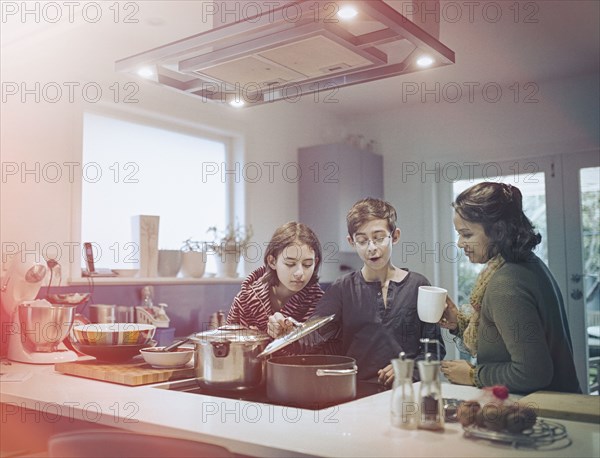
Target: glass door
(561, 195)
(581, 181)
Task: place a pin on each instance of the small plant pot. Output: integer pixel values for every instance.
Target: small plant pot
(193, 264)
(169, 262)
(227, 264)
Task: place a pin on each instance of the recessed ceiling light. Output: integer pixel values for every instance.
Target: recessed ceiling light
(424, 61)
(347, 12)
(237, 103)
(146, 72)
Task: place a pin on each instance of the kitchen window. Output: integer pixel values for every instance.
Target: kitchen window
(131, 168)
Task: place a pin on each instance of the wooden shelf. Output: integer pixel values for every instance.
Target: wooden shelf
(153, 280)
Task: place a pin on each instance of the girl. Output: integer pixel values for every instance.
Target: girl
(287, 283)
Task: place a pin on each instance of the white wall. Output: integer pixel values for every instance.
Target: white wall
(38, 133)
(419, 135)
(564, 119)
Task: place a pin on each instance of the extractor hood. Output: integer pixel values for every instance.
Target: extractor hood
(285, 52)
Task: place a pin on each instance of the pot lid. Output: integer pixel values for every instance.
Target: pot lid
(295, 334)
(230, 333)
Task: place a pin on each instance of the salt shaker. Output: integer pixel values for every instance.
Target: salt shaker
(431, 403)
(404, 408)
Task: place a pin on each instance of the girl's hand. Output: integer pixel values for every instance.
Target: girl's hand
(279, 325)
(449, 319)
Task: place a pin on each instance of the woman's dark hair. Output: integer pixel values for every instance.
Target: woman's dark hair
(292, 233)
(498, 207)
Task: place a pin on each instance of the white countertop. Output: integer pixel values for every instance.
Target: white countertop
(359, 428)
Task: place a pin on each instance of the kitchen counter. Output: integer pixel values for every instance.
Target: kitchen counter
(359, 428)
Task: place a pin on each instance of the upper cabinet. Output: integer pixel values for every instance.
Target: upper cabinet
(333, 178)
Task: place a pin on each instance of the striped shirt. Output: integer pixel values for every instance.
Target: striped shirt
(252, 307)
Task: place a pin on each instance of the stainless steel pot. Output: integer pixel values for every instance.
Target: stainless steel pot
(45, 326)
(311, 380)
(226, 358)
(105, 313)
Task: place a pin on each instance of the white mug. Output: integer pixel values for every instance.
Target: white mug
(431, 303)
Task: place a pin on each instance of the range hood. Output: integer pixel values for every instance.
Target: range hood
(285, 52)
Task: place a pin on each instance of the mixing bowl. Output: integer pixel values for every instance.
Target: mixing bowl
(112, 353)
(45, 325)
(113, 334)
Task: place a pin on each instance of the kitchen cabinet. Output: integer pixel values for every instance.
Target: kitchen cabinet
(334, 177)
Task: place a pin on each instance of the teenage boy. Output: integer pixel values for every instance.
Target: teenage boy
(376, 307)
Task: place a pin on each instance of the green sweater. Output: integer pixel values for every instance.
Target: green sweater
(524, 341)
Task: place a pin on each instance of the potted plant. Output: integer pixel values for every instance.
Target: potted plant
(228, 245)
(193, 261)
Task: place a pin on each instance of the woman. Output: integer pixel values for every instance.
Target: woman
(287, 283)
(518, 330)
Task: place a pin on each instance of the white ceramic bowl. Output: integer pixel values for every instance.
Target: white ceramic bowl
(167, 359)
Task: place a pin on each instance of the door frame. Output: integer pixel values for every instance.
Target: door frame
(573, 262)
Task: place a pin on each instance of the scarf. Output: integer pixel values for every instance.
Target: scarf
(470, 322)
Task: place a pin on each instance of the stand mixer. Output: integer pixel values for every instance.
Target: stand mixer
(36, 328)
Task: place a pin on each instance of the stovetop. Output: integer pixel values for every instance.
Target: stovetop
(363, 390)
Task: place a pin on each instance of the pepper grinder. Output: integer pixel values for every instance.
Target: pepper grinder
(431, 405)
(404, 408)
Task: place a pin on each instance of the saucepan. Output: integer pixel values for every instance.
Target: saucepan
(314, 381)
(108, 313)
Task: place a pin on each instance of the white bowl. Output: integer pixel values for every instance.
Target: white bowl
(126, 272)
(167, 359)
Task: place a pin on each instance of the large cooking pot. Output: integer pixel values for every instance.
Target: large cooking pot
(226, 358)
(311, 380)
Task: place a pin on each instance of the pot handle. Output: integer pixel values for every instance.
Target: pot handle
(220, 349)
(336, 372)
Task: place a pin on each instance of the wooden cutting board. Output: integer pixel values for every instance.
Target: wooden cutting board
(564, 406)
(131, 373)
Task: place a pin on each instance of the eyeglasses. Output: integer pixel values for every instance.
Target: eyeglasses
(378, 241)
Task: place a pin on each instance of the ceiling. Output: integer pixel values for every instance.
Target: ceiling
(269, 57)
(549, 40)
